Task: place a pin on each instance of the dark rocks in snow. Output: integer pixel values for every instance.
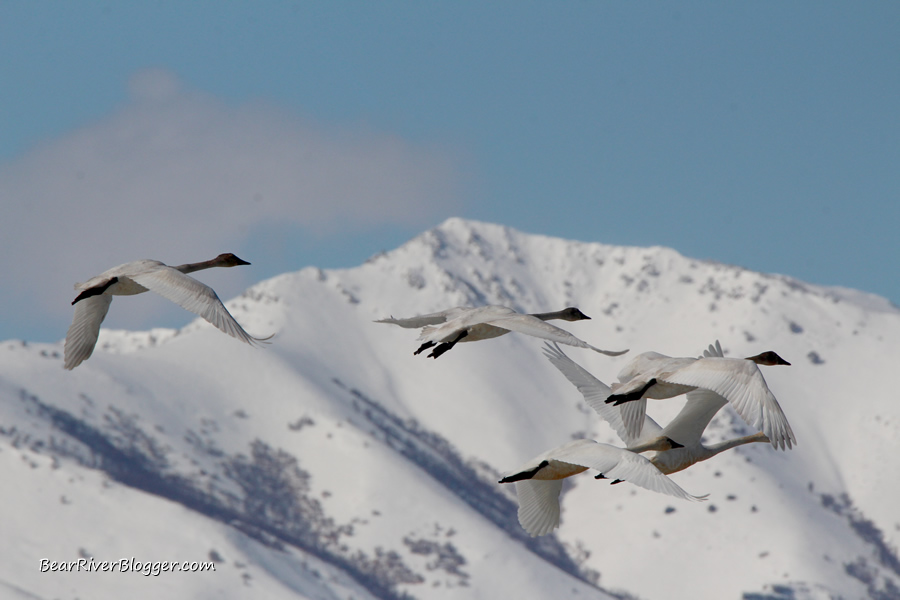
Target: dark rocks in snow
(203, 444)
(304, 421)
(437, 457)
(415, 279)
(445, 557)
(779, 592)
(275, 507)
(760, 290)
(814, 358)
(880, 586)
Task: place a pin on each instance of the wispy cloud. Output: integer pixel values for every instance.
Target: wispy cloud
(178, 175)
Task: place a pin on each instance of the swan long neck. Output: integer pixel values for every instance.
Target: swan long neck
(566, 314)
(191, 267)
(550, 316)
(222, 260)
(729, 444)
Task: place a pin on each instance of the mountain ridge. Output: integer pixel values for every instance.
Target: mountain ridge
(343, 401)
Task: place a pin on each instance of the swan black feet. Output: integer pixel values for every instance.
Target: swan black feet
(424, 346)
(617, 399)
(444, 347)
(95, 291)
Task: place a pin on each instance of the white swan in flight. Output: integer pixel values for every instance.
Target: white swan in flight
(539, 481)
(137, 277)
(444, 329)
(738, 380)
(686, 429)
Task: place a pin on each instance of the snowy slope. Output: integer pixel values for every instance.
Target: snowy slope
(333, 463)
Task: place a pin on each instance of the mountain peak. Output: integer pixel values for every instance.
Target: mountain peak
(335, 447)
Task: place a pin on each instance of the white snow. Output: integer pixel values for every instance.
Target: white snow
(336, 424)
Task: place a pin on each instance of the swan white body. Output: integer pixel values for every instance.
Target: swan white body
(460, 324)
(539, 481)
(737, 380)
(686, 428)
(140, 276)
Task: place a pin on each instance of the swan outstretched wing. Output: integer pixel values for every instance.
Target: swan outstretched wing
(595, 393)
(741, 383)
(619, 463)
(480, 317)
(691, 421)
(538, 505)
(533, 326)
(195, 296)
(714, 350)
(701, 406)
(539, 498)
(634, 418)
(85, 329)
(422, 320)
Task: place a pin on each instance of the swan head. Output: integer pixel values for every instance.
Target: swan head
(228, 260)
(768, 358)
(573, 314)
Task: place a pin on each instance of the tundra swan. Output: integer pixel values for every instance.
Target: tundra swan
(140, 276)
(686, 429)
(444, 329)
(539, 481)
(737, 380)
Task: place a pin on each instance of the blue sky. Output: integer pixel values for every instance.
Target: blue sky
(763, 134)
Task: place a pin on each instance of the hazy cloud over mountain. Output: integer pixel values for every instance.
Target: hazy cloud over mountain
(177, 175)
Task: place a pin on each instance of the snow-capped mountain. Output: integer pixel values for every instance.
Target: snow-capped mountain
(335, 464)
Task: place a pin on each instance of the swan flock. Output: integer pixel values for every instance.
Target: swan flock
(709, 382)
(650, 452)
